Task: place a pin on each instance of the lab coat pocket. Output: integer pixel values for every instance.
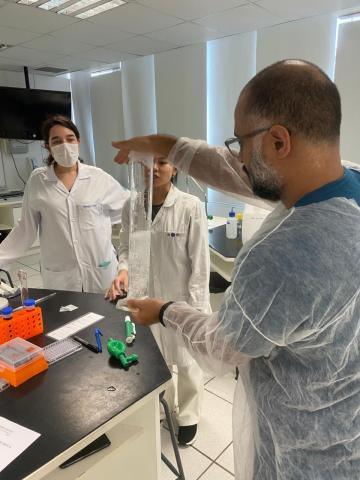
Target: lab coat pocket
(90, 216)
(174, 237)
(62, 280)
(174, 245)
(98, 279)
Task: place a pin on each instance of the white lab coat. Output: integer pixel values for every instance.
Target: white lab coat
(179, 265)
(74, 228)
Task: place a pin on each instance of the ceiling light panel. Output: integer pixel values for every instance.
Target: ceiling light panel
(80, 5)
(27, 2)
(100, 9)
(75, 8)
(52, 4)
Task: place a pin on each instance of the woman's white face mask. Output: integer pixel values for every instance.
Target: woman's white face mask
(66, 154)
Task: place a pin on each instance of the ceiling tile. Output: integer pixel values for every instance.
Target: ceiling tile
(305, 8)
(106, 55)
(10, 60)
(140, 27)
(135, 18)
(185, 34)
(64, 46)
(32, 19)
(141, 45)
(190, 9)
(7, 67)
(29, 56)
(240, 19)
(14, 36)
(4, 62)
(92, 34)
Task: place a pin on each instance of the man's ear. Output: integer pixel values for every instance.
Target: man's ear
(281, 139)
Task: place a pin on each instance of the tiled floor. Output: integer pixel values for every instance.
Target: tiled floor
(31, 266)
(211, 456)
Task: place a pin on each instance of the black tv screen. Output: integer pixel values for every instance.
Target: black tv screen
(22, 111)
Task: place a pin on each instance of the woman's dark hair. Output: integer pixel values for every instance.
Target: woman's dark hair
(174, 178)
(51, 122)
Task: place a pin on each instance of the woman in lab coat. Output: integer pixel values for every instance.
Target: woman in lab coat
(179, 269)
(72, 207)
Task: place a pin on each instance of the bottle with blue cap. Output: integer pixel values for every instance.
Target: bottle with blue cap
(29, 304)
(7, 313)
(231, 225)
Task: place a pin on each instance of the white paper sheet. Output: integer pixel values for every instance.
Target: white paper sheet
(68, 308)
(75, 326)
(14, 439)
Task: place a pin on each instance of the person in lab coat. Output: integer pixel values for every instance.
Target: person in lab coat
(290, 319)
(180, 269)
(71, 206)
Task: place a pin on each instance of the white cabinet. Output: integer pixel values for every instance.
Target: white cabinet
(16, 215)
(8, 212)
(134, 453)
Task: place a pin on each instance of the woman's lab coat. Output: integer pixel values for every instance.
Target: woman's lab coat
(179, 265)
(74, 228)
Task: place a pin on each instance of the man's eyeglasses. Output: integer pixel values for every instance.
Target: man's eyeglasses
(234, 144)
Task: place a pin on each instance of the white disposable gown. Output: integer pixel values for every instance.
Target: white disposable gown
(290, 321)
(74, 228)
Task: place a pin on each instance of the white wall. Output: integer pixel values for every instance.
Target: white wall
(107, 122)
(138, 92)
(35, 150)
(35, 153)
(230, 65)
(347, 78)
(81, 105)
(17, 79)
(180, 84)
(12, 79)
(312, 39)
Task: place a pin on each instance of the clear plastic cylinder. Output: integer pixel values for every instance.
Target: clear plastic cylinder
(22, 276)
(141, 185)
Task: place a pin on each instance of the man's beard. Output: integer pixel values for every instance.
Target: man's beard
(264, 180)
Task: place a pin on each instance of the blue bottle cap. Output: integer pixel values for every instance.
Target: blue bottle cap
(29, 302)
(6, 311)
(232, 213)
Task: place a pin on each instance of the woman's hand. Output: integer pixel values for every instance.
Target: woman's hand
(119, 286)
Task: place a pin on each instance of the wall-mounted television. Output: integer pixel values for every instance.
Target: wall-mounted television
(22, 111)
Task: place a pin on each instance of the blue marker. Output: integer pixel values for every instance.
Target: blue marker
(98, 333)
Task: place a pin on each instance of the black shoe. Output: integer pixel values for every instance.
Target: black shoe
(187, 435)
